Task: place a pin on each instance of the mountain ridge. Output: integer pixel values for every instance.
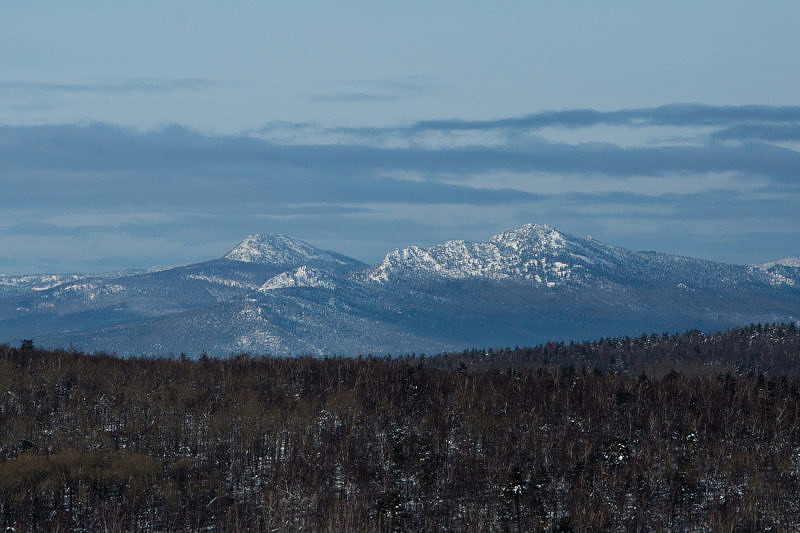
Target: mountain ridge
(277, 294)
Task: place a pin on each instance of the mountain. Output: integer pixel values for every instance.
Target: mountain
(277, 294)
(11, 285)
(783, 271)
(541, 256)
(284, 251)
(303, 276)
(531, 252)
(792, 262)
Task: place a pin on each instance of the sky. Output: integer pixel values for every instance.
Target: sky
(157, 133)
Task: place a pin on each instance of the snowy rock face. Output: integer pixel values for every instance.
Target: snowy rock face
(278, 249)
(545, 257)
(285, 253)
(532, 252)
(303, 276)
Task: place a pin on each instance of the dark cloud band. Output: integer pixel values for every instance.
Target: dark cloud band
(691, 115)
(354, 170)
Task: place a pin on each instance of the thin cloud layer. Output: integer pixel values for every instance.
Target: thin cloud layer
(760, 132)
(690, 115)
(143, 85)
(365, 91)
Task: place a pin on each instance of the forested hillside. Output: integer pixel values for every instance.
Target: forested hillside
(771, 349)
(655, 432)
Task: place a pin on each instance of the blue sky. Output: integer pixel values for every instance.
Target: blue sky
(163, 133)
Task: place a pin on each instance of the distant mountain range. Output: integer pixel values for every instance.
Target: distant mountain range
(275, 294)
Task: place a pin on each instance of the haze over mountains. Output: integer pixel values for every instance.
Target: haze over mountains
(275, 294)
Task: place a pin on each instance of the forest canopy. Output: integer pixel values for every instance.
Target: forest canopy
(616, 434)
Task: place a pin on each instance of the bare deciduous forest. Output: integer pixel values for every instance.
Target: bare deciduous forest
(663, 432)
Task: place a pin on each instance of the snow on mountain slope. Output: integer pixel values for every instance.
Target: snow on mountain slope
(285, 250)
(543, 256)
(543, 284)
(784, 271)
(11, 284)
(303, 276)
(219, 280)
(36, 282)
(793, 262)
(532, 252)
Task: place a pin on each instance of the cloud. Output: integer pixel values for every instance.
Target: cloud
(101, 154)
(377, 90)
(355, 97)
(692, 115)
(92, 165)
(668, 125)
(86, 183)
(137, 85)
(760, 132)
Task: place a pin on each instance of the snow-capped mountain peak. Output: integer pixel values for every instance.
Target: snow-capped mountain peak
(793, 262)
(784, 271)
(532, 252)
(541, 235)
(259, 248)
(282, 250)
